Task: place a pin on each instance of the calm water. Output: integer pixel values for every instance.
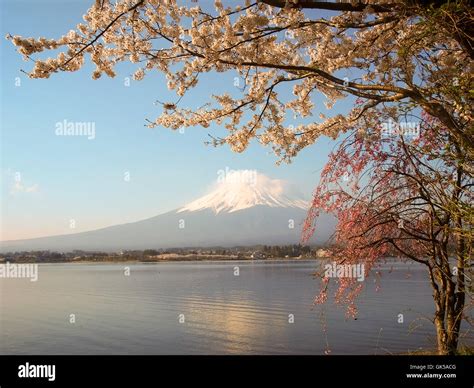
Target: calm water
(223, 313)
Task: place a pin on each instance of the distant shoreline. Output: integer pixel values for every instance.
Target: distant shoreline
(166, 258)
(182, 259)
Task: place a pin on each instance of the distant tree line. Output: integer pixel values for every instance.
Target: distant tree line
(294, 250)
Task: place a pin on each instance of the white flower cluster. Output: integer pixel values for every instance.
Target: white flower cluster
(379, 58)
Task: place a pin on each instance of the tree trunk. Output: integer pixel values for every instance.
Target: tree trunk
(449, 308)
(447, 338)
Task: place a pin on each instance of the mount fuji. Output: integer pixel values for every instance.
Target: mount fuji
(243, 208)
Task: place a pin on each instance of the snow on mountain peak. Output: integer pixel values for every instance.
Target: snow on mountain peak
(241, 189)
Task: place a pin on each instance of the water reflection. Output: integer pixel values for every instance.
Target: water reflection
(224, 314)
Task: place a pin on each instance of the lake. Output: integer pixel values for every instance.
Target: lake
(203, 308)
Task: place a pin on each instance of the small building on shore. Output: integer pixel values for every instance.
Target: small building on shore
(258, 255)
(323, 253)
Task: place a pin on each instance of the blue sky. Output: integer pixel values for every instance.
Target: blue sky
(71, 177)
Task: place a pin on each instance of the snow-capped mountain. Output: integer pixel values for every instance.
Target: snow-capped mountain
(242, 189)
(242, 208)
